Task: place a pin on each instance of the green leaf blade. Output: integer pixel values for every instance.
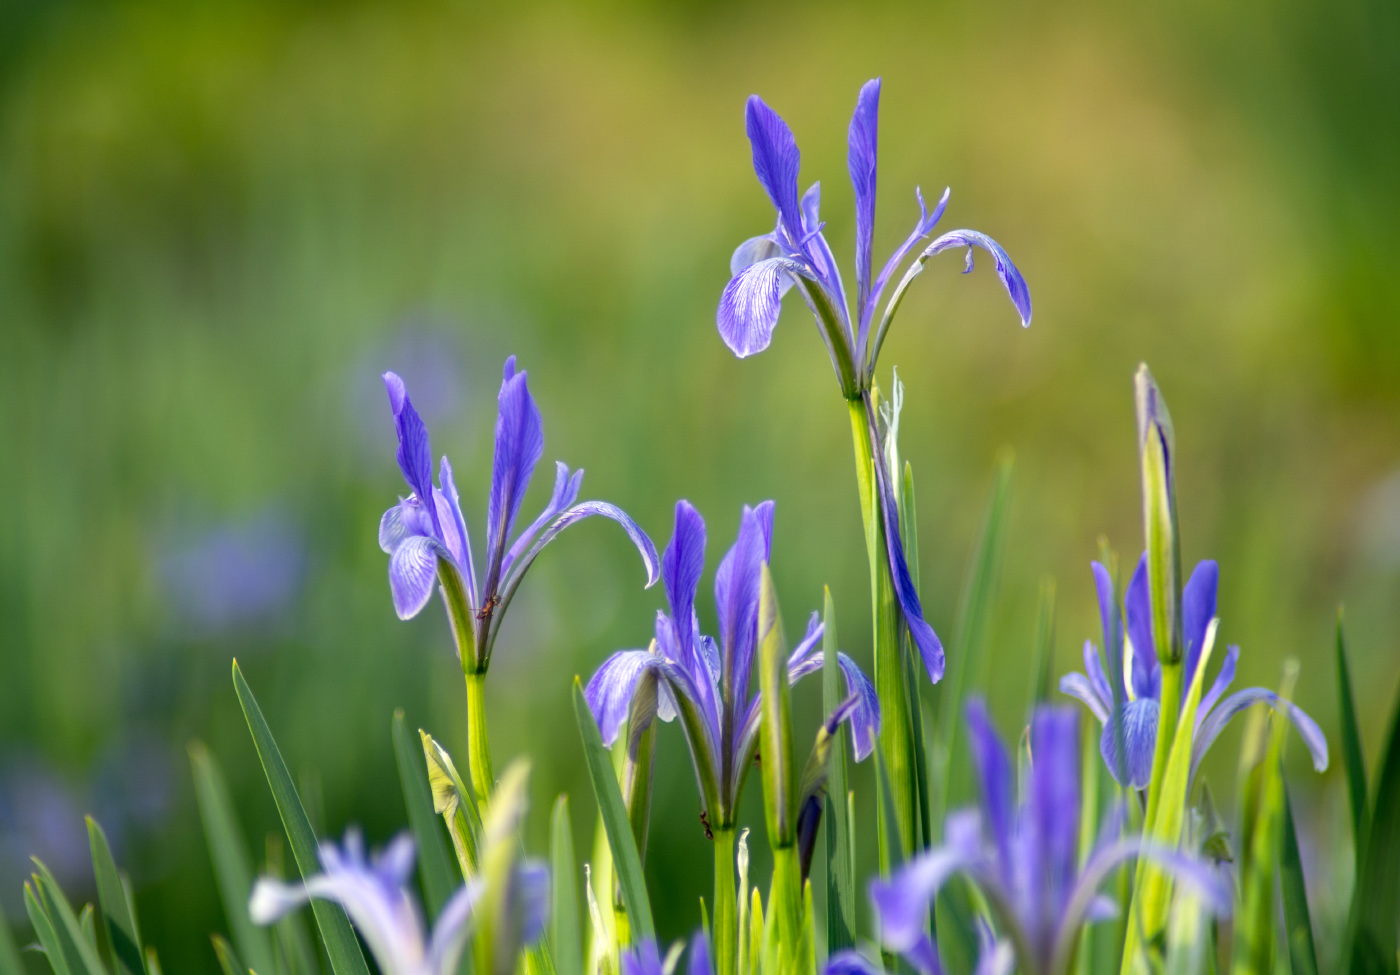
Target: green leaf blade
(564, 915)
(1297, 918)
(1374, 926)
(119, 918)
(336, 932)
(434, 865)
(1353, 757)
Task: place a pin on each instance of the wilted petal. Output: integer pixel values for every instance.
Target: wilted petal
(994, 775)
(610, 689)
(1139, 732)
(861, 153)
(1216, 721)
(1197, 610)
(415, 456)
(1078, 686)
(1146, 676)
(412, 572)
(776, 161)
(1015, 284)
(519, 444)
(749, 306)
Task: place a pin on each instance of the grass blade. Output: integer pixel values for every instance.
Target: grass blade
(336, 933)
(80, 952)
(974, 613)
(434, 864)
(10, 962)
(1375, 905)
(118, 929)
(233, 867)
(840, 871)
(228, 961)
(1351, 747)
(1297, 920)
(44, 930)
(563, 918)
(1044, 655)
(627, 863)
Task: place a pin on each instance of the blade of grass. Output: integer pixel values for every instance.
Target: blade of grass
(10, 962)
(81, 953)
(1297, 919)
(840, 871)
(627, 863)
(228, 960)
(1352, 755)
(44, 929)
(118, 929)
(563, 918)
(434, 864)
(1044, 653)
(336, 933)
(233, 869)
(1375, 905)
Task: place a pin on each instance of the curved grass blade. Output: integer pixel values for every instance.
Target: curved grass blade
(1297, 919)
(1375, 905)
(233, 868)
(434, 864)
(1351, 747)
(44, 930)
(336, 933)
(118, 928)
(840, 871)
(627, 863)
(80, 953)
(10, 962)
(228, 960)
(563, 918)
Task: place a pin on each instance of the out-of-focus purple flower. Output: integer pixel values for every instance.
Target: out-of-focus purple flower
(428, 543)
(796, 254)
(707, 683)
(993, 958)
(41, 815)
(1133, 727)
(1024, 858)
(375, 895)
(241, 572)
(645, 958)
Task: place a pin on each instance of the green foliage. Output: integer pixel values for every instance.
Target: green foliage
(228, 958)
(435, 867)
(118, 939)
(840, 859)
(455, 800)
(1297, 919)
(341, 944)
(564, 915)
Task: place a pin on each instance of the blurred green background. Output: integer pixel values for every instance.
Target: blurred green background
(219, 222)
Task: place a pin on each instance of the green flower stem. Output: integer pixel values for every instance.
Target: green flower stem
(785, 901)
(1172, 675)
(478, 745)
(895, 745)
(724, 926)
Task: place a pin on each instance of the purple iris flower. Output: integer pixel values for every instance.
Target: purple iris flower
(707, 683)
(645, 958)
(796, 253)
(1140, 695)
(428, 543)
(1024, 858)
(375, 894)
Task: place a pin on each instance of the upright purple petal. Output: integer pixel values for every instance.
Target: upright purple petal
(776, 161)
(749, 307)
(861, 152)
(1197, 610)
(994, 775)
(532, 879)
(449, 500)
(1054, 811)
(1146, 676)
(681, 566)
(736, 600)
(1110, 619)
(1216, 721)
(1015, 284)
(415, 456)
(1138, 729)
(519, 444)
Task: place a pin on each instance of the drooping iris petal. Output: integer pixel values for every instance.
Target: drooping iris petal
(1197, 610)
(1093, 668)
(922, 228)
(609, 691)
(995, 779)
(1216, 721)
(580, 511)
(566, 488)
(1223, 680)
(749, 306)
(1054, 807)
(925, 639)
(415, 456)
(1076, 685)
(519, 444)
(815, 631)
(1015, 284)
(902, 902)
(861, 153)
(681, 566)
(776, 160)
(412, 572)
(1139, 734)
(865, 718)
(1146, 676)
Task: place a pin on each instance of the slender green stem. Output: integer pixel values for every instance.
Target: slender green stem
(895, 745)
(724, 926)
(478, 745)
(1172, 677)
(785, 901)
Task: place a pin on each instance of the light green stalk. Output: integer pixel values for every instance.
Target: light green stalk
(478, 745)
(724, 926)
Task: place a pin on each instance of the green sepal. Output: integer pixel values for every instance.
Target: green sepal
(455, 802)
(435, 867)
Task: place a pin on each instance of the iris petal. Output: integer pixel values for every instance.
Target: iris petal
(776, 160)
(1216, 721)
(1015, 284)
(1139, 732)
(1076, 685)
(412, 572)
(749, 306)
(519, 445)
(1197, 610)
(861, 158)
(609, 691)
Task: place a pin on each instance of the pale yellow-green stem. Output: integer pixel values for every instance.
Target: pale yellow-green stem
(478, 745)
(724, 926)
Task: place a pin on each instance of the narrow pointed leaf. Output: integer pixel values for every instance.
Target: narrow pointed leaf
(228, 959)
(455, 801)
(44, 930)
(118, 929)
(778, 767)
(1297, 919)
(1351, 747)
(840, 871)
(10, 962)
(563, 918)
(233, 869)
(336, 933)
(627, 862)
(435, 866)
(1375, 906)
(81, 953)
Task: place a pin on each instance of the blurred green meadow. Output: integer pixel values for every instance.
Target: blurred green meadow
(220, 222)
